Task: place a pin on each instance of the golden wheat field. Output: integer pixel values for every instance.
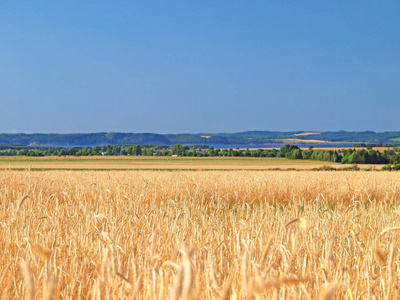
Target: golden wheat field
(199, 235)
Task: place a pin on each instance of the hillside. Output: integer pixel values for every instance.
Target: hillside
(246, 138)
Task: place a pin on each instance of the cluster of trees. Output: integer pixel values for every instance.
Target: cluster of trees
(17, 150)
(346, 156)
(364, 145)
(363, 156)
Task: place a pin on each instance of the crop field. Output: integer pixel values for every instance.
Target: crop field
(199, 235)
(310, 141)
(162, 163)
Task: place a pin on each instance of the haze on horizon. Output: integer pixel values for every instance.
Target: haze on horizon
(215, 66)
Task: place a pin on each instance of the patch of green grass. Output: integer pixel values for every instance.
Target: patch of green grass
(396, 139)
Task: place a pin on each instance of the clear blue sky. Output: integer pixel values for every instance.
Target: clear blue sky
(199, 66)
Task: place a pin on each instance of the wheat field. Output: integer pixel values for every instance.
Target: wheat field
(199, 235)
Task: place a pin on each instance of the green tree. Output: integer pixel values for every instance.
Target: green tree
(96, 150)
(109, 150)
(177, 149)
(86, 151)
(73, 150)
(23, 152)
(296, 154)
(135, 150)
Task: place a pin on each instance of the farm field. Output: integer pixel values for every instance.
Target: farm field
(310, 141)
(199, 235)
(163, 163)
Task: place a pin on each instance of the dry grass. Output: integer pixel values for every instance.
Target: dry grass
(311, 141)
(164, 163)
(189, 235)
(307, 133)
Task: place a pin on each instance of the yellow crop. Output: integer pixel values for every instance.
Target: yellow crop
(208, 235)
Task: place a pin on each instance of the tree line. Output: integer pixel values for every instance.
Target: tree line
(346, 156)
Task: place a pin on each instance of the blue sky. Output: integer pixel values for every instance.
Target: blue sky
(199, 66)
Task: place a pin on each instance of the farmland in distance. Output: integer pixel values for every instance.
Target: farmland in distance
(164, 163)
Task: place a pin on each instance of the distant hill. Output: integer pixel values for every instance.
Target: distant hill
(245, 138)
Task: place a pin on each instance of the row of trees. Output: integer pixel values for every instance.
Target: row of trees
(73, 151)
(346, 156)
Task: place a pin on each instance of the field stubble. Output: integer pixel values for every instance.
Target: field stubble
(189, 235)
(160, 163)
